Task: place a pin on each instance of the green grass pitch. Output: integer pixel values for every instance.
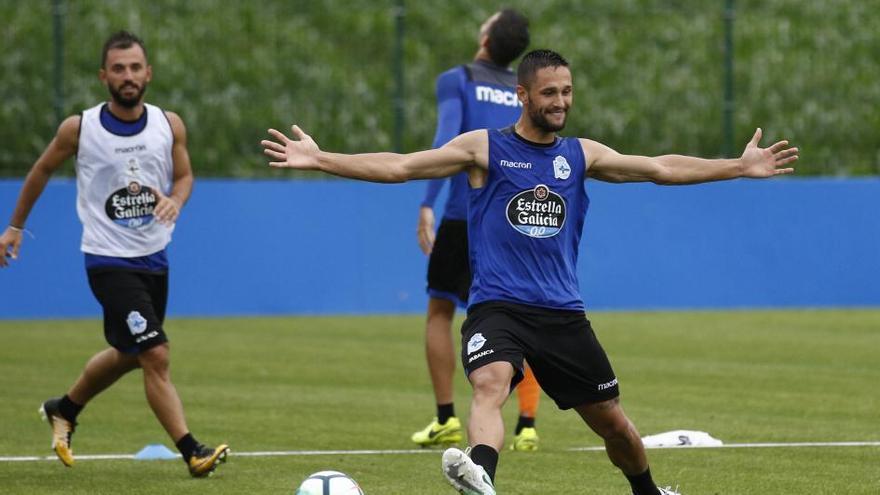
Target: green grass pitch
(360, 383)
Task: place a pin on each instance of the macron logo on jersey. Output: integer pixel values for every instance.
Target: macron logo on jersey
(510, 164)
(131, 149)
(497, 96)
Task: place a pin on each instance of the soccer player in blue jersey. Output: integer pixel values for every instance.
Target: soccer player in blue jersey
(478, 95)
(527, 203)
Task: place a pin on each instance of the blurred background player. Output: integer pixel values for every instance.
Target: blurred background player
(478, 95)
(133, 176)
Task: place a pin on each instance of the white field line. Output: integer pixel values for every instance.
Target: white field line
(287, 453)
(750, 446)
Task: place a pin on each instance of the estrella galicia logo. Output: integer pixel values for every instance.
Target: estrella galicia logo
(561, 168)
(136, 323)
(537, 212)
(476, 343)
(131, 206)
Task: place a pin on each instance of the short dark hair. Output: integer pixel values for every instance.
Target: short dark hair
(536, 60)
(121, 40)
(508, 37)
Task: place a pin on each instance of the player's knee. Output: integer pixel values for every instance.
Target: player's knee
(490, 389)
(155, 359)
(616, 429)
(492, 382)
(615, 426)
(607, 419)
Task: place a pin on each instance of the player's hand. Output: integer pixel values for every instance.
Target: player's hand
(299, 153)
(10, 242)
(425, 229)
(167, 210)
(766, 162)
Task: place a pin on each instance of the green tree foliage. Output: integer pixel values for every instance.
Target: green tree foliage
(648, 73)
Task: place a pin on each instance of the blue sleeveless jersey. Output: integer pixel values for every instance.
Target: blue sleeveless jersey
(525, 223)
(478, 95)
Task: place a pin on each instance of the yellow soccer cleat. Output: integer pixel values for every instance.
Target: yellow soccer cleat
(206, 459)
(526, 441)
(436, 434)
(62, 430)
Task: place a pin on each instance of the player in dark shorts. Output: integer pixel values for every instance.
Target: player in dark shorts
(478, 95)
(133, 177)
(449, 271)
(559, 345)
(528, 201)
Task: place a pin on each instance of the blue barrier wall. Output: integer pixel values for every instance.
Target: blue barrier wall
(324, 247)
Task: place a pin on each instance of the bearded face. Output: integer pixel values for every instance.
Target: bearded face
(548, 98)
(549, 118)
(126, 75)
(128, 94)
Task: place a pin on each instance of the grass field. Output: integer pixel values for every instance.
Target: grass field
(352, 383)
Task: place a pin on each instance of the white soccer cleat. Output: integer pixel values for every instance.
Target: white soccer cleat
(668, 491)
(468, 478)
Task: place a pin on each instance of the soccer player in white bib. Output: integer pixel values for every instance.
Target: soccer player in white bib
(133, 177)
(528, 202)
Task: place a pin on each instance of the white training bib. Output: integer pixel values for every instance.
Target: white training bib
(117, 178)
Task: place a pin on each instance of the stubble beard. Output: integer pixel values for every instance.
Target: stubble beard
(540, 121)
(120, 100)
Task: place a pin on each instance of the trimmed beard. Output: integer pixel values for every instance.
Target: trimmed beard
(126, 102)
(540, 121)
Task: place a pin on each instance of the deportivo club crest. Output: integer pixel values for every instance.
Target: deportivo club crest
(476, 343)
(561, 168)
(136, 323)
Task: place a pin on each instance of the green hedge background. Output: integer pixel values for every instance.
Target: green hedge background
(648, 73)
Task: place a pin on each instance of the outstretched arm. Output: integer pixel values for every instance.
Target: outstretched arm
(62, 147)
(302, 153)
(608, 165)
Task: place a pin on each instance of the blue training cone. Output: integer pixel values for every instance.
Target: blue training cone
(155, 451)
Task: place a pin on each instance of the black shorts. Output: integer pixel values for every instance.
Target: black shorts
(560, 347)
(449, 269)
(134, 307)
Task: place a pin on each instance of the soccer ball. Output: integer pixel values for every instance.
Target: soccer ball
(329, 483)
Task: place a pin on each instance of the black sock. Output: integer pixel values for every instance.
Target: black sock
(187, 445)
(524, 422)
(487, 457)
(444, 412)
(69, 409)
(643, 484)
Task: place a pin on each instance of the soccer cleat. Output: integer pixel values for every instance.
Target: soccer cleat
(461, 472)
(205, 460)
(437, 434)
(62, 430)
(668, 491)
(526, 441)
